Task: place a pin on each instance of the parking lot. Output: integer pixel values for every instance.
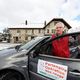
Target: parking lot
(6, 45)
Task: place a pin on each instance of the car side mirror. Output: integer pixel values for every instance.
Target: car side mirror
(17, 47)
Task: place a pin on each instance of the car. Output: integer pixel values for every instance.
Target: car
(20, 54)
(38, 63)
(10, 50)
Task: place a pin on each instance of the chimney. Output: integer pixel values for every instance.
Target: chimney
(44, 23)
(26, 22)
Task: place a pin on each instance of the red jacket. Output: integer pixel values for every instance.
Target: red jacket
(60, 47)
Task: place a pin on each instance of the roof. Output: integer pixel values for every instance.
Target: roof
(28, 26)
(59, 19)
(38, 26)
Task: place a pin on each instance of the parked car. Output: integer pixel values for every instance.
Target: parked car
(34, 61)
(19, 47)
(20, 56)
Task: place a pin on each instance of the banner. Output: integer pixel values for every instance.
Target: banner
(52, 70)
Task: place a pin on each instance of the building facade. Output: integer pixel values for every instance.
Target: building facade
(22, 34)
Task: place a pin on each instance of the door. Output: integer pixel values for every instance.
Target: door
(17, 39)
(45, 65)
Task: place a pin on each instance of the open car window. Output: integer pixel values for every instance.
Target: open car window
(73, 45)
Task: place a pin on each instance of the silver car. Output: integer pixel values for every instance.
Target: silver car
(35, 61)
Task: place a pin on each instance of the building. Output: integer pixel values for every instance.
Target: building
(22, 33)
(50, 27)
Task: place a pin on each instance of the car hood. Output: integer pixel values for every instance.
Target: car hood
(11, 57)
(8, 52)
(11, 52)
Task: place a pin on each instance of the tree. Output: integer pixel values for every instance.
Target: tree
(6, 34)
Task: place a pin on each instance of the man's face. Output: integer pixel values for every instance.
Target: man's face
(59, 29)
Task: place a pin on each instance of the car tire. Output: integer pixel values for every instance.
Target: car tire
(10, 76)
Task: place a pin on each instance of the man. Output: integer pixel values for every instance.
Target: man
(60, 47)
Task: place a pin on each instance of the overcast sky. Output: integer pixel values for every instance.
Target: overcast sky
(14, 12)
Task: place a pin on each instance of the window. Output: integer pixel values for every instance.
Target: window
(32, 31)
(46, 49)
(47, 30)
(72, 42)
(32, 37)
(37, 47)
(26, 38)
(39, 30)
(55, 22)
(19, 37)
(33, 42)
(53, 30)
(18, 31)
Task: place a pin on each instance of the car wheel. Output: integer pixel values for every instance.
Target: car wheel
(10, 76)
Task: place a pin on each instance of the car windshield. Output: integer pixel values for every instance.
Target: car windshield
(30, 43)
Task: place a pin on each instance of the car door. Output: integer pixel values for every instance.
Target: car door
(43, 65)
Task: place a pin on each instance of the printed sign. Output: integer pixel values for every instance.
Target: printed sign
(52, 70)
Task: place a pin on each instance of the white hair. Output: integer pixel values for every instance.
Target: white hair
(60, 23)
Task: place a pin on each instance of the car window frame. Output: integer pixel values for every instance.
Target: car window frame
(36, 46)
(68, 34)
